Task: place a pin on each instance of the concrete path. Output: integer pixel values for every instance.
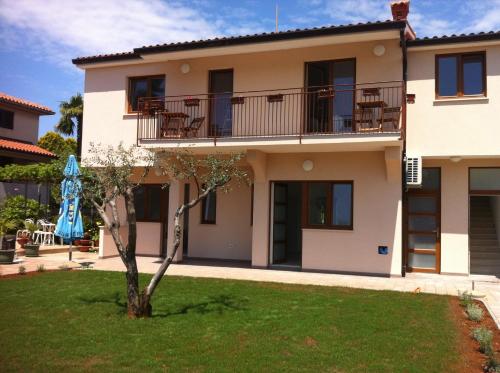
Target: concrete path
(489, 287)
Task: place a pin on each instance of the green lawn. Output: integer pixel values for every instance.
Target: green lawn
(76, 321)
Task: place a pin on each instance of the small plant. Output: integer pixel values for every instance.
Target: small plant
(474, 312)
(492, 364)
(21, 270)
(40, 268)
(30, 228)
(465, 298)
(64, 267)
(485, 339)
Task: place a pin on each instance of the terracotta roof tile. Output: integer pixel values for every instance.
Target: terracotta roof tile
(25, 103)
(462, 38)
(19, 146)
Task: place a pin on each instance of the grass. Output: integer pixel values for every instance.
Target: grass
(76, 321)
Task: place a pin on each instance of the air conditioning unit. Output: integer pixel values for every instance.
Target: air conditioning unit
(414, 171)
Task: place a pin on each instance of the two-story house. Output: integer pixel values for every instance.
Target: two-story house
(19, 121)
(326, 118)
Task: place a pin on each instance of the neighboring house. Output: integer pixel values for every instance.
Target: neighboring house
(18, 135)
(327, 118)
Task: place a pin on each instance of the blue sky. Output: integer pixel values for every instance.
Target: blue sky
(38, 38)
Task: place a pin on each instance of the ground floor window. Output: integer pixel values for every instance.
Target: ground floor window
(328, 204)
(148, 200)
(209, 208)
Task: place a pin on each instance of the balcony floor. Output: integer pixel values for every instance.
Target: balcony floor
(282, 144)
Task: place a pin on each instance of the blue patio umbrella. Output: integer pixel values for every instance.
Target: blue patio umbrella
(69, 225)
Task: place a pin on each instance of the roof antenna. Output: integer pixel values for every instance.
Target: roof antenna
(276, 17)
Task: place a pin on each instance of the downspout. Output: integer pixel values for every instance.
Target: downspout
(403, 155)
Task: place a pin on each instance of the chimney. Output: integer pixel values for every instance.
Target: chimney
(400, 10)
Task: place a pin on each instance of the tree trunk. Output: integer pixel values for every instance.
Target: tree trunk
(79, 130)
(149, 290)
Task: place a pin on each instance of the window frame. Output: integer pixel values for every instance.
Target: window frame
(163, 201)
(460, 74)
(134, 78)
(329, 203)
(11, 114)
(202, 208)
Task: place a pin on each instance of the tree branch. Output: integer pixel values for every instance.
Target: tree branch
(149, 290)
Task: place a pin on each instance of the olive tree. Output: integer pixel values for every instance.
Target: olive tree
(111, 174)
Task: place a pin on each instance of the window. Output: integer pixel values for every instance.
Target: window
(144, 86)
(461, 75)
(484, 180)
(329, 204)
(149, 200)
(6, 119)
(209, 208)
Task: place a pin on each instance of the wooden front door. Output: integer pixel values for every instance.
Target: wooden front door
(423, 224)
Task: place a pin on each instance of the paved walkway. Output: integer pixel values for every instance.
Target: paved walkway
(488, 287)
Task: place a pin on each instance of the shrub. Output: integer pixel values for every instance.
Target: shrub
(492, 364)
(474, 312)
(465, 298)
(485, 339)
(21, 270)
(64, 267)
(40, 268)
(16, 209)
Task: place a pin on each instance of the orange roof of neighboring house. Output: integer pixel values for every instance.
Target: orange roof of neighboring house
(19, 146)
(8, 99)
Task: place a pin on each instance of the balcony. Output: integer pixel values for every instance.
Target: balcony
(364, 111)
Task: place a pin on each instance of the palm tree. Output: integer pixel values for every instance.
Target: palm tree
(71, 120)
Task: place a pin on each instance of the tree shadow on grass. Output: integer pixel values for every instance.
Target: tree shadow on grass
(113, 298)
(214, 304)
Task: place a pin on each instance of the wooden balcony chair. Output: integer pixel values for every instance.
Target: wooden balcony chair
(193, 128)
(363, 121)
(390, 119)
(373, 92)
(150, 107)
(169, 128)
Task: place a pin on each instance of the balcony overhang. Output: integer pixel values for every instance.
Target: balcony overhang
(284, 144)
(273, 46)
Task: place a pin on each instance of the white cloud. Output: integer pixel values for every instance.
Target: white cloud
(58, 29)
(428, 26)
(485, 16)
(355, 11)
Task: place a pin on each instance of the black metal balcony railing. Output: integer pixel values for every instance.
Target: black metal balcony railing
(326, 110)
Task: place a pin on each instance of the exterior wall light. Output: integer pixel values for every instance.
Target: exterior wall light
(379, 50)
(455, 159)
(185, 68)
(308, 165)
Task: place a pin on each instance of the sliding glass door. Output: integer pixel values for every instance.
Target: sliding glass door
(330, 96)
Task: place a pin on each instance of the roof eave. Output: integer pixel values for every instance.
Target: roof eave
(30, 109)
(459, 39)
(242, 40)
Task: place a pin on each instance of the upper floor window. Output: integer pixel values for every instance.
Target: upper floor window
(6, 119)
(144, 86)
(459, 75)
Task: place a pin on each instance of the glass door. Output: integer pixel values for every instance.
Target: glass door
(221, 91)
(344, 80)
(279, 222)
(423, 224)
(330, 96)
